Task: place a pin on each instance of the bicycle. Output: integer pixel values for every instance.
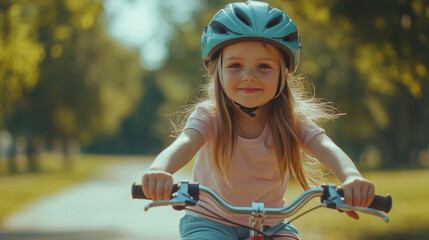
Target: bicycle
(187, 194)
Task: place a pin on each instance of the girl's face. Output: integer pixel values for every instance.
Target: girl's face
(250, 72)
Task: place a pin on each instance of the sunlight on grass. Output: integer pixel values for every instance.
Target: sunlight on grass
(408, 214)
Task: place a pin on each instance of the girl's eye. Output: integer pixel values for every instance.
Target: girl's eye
(265, 66)
(235, 65)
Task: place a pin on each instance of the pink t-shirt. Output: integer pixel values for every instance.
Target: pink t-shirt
(255, 176)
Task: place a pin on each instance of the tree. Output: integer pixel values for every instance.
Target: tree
(183, 70)
(20, 53)
(370, 60)
(88, 83)
(140, 132)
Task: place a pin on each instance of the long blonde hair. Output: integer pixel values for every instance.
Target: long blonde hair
(284, 111)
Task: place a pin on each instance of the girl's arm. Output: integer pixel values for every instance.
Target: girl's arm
(157, 182)
(357, 190)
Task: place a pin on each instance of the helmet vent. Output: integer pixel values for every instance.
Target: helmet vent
(293, 37)
(242, 16)
(218, 27)
(275, 21)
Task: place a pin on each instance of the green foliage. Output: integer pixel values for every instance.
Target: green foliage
(183, 71)
(20, 52)
(140, 131)
(376, 60)
(86, 85)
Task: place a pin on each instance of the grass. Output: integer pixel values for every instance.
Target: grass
(408, 217)
(21, 188)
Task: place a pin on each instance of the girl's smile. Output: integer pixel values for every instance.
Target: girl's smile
(250, 72)
(249, 90)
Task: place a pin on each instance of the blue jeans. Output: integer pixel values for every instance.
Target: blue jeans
(198, 228)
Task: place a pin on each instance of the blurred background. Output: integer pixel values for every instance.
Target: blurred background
(90, 83)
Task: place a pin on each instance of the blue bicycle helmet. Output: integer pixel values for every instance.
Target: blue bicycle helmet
(252, 21)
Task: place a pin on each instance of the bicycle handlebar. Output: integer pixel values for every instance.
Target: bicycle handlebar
(380, 202)
(185, 194)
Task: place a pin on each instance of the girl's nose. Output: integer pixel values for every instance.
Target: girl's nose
(249, 75)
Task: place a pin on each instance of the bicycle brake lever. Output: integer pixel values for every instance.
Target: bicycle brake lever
(335, 201)
(179, 200)
(159, 203)
(371, 211)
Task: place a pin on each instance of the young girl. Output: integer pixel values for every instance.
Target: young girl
(250, 130)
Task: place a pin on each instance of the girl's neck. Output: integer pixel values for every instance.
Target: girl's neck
(251, 127)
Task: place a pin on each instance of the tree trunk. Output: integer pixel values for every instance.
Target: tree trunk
(33, 157)
(71, 148)
(12, 161)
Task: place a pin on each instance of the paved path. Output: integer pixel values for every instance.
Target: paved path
(101, 208)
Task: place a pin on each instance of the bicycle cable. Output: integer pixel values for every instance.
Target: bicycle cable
(293, 219)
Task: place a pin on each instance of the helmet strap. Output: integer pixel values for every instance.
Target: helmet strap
(248, 111)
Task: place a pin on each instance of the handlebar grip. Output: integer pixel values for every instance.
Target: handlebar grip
(137, 191)
(380, 203)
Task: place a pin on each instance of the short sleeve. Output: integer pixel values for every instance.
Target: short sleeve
(202, 120)
(308, 130)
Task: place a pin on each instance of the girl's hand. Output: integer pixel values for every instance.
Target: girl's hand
(358, 192)
(157, 185)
